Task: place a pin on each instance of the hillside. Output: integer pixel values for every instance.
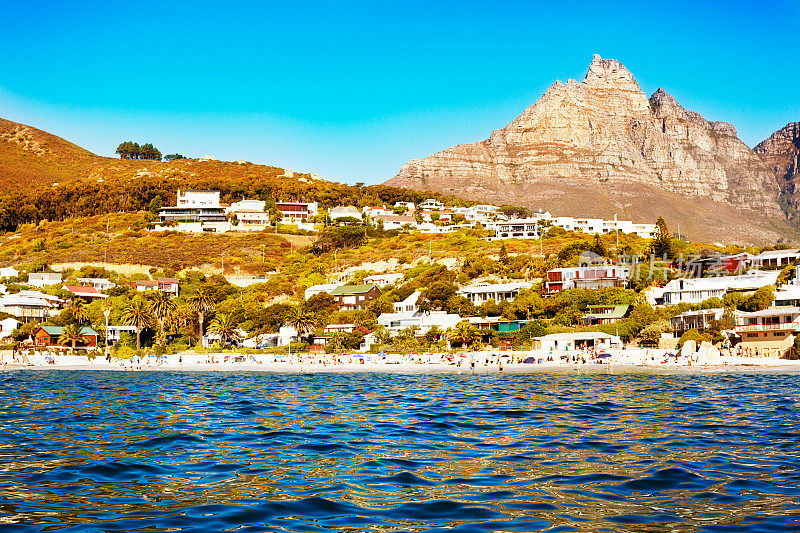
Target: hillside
(600, 147)
(781, 152)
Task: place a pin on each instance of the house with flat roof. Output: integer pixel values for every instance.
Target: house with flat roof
(776, 258)
(29, 306)
(396, 322)
(580, 340)
(194, 206)
(604, 314)
(695, 290)
(297, 211)
(586, 277)
(101, 284)
(699, 320)
(768, 333)
(43, 279)
(499, 292)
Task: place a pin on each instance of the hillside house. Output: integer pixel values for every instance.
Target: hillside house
(499, 292)
(586, 277)
(384, 280)
(101, 284)
(604, 314)
(354, 297)
(699, 320)
(776, 258)
(30, 306)
(297, 211)
(43, 279)
(195, 206)
(695, 290)
(84, 291)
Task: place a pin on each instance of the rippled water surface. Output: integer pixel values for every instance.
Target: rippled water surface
(112, 451)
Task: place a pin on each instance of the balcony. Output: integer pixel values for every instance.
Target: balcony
(790, 326)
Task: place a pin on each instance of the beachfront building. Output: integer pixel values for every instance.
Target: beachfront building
(584, 340)
(776, 258)
(699, 320)
(695, 290)
(586, 277)
(354, 297)
(420, 321)
(84, 291)
(114, 332)
(604, 314)
(768, 333)
(43, 279)
(499, 292)
(495, 324)
(47, 337)
(30, 306)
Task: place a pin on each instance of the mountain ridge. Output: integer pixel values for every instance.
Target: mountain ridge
(599, 146)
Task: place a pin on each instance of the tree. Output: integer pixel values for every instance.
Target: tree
(79, 311)
(439, 293)
(302, 320)
(652, 333)
(200, 303)
(129, 150)
(162, 306)
(138, 314)
(155, 204)
(71, 334)
(503, 258)
(173, 157)
(224, 326)
(464, 333)
(598, 247)
(662, 241)
(759, 300)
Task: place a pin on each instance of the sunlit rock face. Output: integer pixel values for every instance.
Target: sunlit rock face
(603, 134)
(780, 152)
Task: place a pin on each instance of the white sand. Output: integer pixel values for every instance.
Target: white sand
(631, 359)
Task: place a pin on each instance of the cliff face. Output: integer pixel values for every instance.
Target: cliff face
(603, 137)
(780, 153)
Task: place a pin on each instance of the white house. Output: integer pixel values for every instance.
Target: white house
(249, 214)
(409, 305)
(316, 289)
(383, 280)
(7, 325)
(115, 331)
(344, 212)
(29, 307)
(563, 342)
(196, 211)
(396, 322)
(431, 205)
(775, 258)
(483, 292)
(695, 290)
(392, 222)
(9, 272)
(518, 228)
(100, 284)
(43, 279)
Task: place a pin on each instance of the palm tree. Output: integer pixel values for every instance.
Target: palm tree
(71, 334)
(79, 311)
(463, 333)
(225, 327)
(302, 320)
(201, 303)
(137, 313)
(162, 306)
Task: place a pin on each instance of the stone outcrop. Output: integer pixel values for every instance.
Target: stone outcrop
(605, 141)
(780, 152)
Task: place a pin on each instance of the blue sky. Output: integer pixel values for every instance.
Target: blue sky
(352, 90)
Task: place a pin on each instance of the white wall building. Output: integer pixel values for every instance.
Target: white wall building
(395, 322)
(43, 279)
(695, 290)
(383, 280)
(316, 289)
(344, 212)
(483, 292)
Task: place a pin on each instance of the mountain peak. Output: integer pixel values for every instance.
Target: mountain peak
(609, 72)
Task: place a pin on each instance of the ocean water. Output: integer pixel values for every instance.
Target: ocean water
(161, 451)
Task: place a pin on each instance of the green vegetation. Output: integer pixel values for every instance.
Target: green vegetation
(132, 150)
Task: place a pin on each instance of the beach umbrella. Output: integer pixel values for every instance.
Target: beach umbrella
(529, 360)
(603, 355)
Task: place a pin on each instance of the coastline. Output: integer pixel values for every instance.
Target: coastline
(622, 361)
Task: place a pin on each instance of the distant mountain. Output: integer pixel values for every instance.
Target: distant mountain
(600, 147)
(780, 152)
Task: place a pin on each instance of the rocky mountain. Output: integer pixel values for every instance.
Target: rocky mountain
(780, 152)
(600, 147)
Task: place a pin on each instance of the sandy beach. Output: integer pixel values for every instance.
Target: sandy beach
(625, 360)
